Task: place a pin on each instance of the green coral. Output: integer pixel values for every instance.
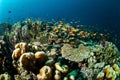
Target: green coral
(5, 76)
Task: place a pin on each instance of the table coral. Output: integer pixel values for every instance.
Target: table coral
(75, 54)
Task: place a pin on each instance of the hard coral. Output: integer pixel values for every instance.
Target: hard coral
(57, 75)
(20, 48)
(5, 76)
(27, 60)
(16, 53)
(45, 73)
(61, 68)
(41, 55)
(41, 58)
(109, 72)
(25, 75)
(75, 54)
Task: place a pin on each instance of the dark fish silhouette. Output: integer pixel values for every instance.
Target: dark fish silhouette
(9, 11)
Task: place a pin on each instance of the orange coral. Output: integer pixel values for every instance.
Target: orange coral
(20, 48)
(81, 32)
(45, 73)
(64, 28)
(41, 56)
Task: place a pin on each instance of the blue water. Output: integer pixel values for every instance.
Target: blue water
(104, 13)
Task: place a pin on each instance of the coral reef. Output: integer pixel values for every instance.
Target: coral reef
(38, 50)
(6, 68)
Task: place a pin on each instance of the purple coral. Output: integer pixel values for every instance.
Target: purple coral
(102, 43)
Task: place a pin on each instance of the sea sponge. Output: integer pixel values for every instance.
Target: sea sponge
(27, 60)
(45, 73)
(61, 68)
(75, 54)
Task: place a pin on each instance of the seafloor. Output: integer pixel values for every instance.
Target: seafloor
(38, 50)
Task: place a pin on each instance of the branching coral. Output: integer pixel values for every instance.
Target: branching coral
(107, 52)
(99, 57)
(27, 31)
